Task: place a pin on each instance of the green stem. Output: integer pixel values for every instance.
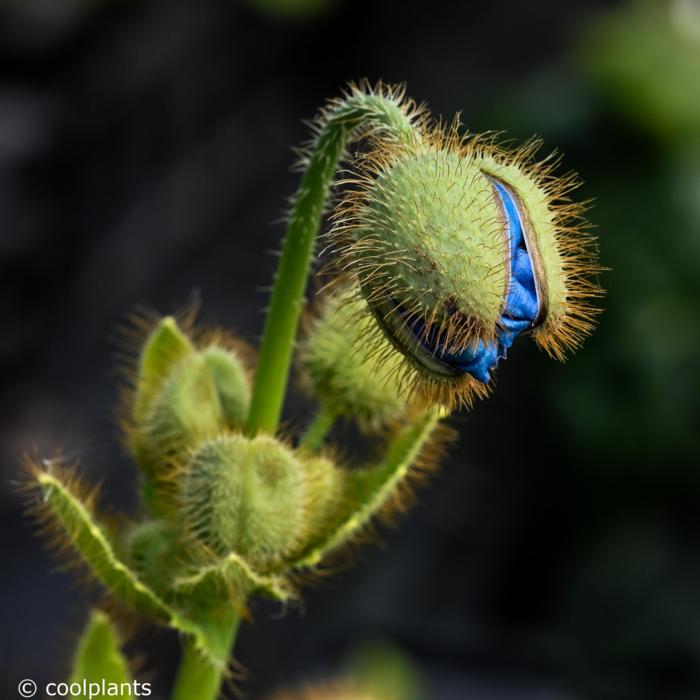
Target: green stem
(367, 490)
(196, 676)
(317, 430)
(357, 114)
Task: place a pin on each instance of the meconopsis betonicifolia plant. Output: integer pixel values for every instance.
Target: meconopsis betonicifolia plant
(443, 250)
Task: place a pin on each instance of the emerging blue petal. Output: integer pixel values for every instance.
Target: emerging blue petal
(519, 313)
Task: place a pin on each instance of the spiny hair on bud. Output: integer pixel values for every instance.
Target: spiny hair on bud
(421, 232)
(563, 252)
(132, 341)
(380, 95)
(244, 496)
(397, 379)
(151, 348)
(188, 383)
(419, 228)
(206, 393)
(255, 497)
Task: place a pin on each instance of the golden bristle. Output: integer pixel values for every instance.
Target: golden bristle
(40, 512)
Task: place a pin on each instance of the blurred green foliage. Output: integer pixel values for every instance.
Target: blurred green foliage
(385, 671)
(636, 396)
(625, 105)
(294, 9)
(645, 57)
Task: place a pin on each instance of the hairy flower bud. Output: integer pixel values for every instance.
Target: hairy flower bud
(184, 395)
(152, 547)
(253, 497)
(339, 375)
(458, 246)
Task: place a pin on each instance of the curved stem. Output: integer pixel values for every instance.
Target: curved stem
(196, 676)
(367, 490)
(358, 113)
(317, 430)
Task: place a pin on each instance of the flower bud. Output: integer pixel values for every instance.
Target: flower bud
(253, 497)
(152, 547)
(184, 396)
(337, 371)
(458, 246)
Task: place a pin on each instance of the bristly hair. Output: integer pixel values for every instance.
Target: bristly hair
(133, 334)
(557, 222)
(395, 505)
(416, 113)
(39, 510)
(564, 255)
(129, 339)
(419, 389)
(425, 465)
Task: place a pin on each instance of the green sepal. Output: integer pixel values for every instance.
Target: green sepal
(164, 348)
(230, 578)
(204, 395)
(231, 383)
(365, 491)
(98, 656)
(186, 410)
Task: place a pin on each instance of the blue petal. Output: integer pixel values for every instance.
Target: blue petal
(521, 304)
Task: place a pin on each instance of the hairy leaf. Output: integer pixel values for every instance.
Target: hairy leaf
(98, 655)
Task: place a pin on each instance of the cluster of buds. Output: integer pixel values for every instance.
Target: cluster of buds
(226, 515)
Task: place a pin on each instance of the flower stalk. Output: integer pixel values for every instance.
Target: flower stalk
(196, 678)
(381, 113)
(317, 431)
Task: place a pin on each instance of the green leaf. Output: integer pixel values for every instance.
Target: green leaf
(366, 491)
(89, 539)
(98, 655)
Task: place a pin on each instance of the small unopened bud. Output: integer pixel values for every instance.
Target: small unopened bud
(184, 395)
(253, 497)
(338, 371)
(152, 548)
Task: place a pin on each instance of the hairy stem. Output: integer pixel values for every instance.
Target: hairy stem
(318, 429)
(368, 489)
(196, 676)
(358, 114)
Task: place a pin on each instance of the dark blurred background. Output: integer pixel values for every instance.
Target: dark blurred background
(145, 153)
